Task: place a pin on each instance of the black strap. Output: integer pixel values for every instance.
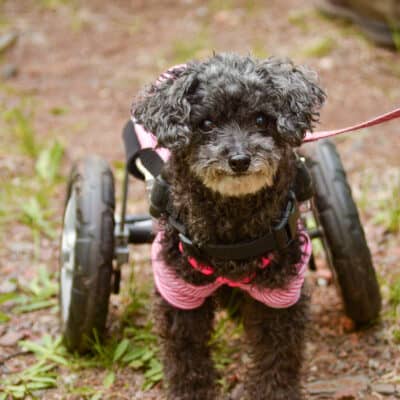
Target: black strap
(281, 235)
(149, 157)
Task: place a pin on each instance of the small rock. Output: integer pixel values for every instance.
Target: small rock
(373, 364)
(325, 274)
(7, 40)
(310, 347)
(387, 355)
(322, 282)
(345, 386)
(21, 247)
(9, 71)
(340, 366)
(384, 388)
(69, 379)
(11, 338)
(8, 287)
(201, 12)
(237, 392)
(321, 388)
(326, 63)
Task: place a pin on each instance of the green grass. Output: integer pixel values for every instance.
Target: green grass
(396, 39)
(187, 49)
(389, 209)
(48, 162)
(39, 294)
(259, 50)
(220, 5)
(393, 68)
(57, 111)
(385, 206)
(77, 20)
(320, 47)
(142, 353)
(299, 18)
(363, 194)
(378, 197)
(390, 289)
(394, 293)
(135, 25)
(26, 383)
(396, 336)
(19, 120)
(134, 347)
(395, 30)
(55, 4)
(222, 341)
(25, 196)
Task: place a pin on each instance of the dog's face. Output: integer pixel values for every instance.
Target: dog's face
(232, 118)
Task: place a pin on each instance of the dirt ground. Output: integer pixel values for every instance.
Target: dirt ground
(78, 65)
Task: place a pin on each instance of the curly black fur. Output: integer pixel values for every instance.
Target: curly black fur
(206, 114)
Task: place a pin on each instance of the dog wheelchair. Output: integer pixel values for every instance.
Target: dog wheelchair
(95, 244)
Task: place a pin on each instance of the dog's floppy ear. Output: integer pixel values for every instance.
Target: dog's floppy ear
(164, 108)
(296, 95)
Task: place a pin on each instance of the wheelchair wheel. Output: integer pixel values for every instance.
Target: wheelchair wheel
(342, 233)
(86, 254)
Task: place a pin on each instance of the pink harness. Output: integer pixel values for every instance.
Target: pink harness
(186, 296)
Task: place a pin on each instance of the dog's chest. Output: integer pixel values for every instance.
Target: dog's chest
(208, 220)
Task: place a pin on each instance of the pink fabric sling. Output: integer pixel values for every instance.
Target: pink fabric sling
(186, 296)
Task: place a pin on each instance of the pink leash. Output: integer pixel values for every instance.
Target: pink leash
(311, 137)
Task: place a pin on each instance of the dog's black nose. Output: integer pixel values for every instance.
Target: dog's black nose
(239, 162)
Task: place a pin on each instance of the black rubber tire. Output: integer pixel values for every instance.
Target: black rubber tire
(93, 183)
(350, 256)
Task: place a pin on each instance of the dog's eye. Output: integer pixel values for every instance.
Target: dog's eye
(261, 120)
(207, 125)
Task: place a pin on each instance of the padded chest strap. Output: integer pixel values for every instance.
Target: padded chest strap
(279, 237)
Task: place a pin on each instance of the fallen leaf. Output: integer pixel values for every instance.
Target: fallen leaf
(11, 338)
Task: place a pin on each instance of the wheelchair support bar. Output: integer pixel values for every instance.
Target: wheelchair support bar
(140, 231)
(316, 233)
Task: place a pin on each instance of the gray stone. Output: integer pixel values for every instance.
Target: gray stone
(8, 286)
(384, 388)
(7, 40)
(237, 392)
(11, 338)
(373, 364)
(347, 385)
(9, 71)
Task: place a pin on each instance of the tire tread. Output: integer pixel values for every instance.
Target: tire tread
(94, 184)
(345, 236)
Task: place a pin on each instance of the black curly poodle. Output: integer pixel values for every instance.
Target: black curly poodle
(231, 124)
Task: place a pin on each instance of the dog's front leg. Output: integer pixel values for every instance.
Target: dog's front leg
(185, 334)
(276, 341)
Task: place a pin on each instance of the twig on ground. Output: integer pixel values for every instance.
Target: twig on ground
(13, 355)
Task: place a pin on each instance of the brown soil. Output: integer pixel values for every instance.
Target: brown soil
(92, 57)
